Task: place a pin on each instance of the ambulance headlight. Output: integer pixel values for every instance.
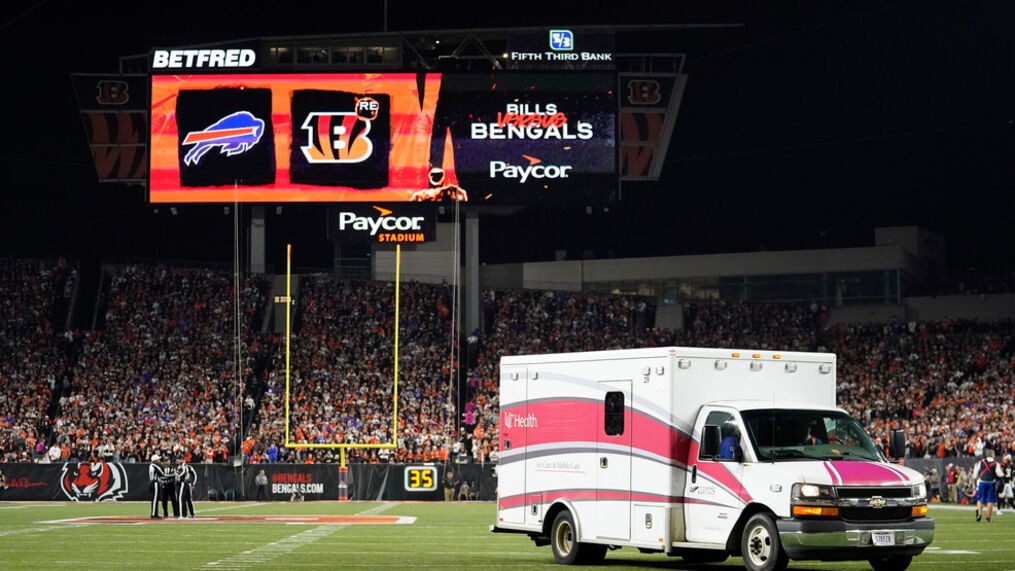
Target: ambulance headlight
(920, 491)
(813, 501)
(812, 492)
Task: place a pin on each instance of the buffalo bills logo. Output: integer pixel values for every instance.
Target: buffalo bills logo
(93, 481)
(232, 135)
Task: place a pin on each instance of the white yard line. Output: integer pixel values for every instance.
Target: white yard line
(271, 551)
(377, 509)
(231, 507)
(30, 530)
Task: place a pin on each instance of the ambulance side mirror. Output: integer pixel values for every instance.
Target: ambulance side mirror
(897, 443)
(711, 438)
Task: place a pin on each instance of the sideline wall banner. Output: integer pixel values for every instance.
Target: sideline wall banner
(116, 481)
(98, 481)
(313, 481)
(76, 481)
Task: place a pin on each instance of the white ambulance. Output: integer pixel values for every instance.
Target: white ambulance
(702, 454)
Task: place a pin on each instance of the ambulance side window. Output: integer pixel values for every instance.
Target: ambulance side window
(613, 423)
(729, 447)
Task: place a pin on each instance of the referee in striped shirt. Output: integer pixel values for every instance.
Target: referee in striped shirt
(186, 477)
(155, 475)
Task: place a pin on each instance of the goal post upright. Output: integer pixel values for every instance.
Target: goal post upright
(288, 331)
(343, 447)
(394, 404)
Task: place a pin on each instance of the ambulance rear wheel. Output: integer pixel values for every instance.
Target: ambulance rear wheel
(564, 541)
(760, 545)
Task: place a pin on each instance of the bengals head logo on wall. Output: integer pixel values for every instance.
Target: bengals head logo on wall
(93, 481)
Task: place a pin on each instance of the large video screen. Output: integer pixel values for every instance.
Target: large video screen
(493, 138)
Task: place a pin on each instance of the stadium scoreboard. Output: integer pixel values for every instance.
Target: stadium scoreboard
(510, 137)
(558, 117)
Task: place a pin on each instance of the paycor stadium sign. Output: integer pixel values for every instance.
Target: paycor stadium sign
(396, 224)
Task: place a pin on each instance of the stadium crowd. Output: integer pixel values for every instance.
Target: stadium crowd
(947, 383)
(160, 373)
(33, 361)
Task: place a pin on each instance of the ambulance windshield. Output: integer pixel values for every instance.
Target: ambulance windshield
(792, 434)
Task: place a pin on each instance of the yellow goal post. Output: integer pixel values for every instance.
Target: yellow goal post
(288, 300)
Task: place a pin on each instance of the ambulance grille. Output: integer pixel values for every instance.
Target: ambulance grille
(853, 492)
(856, 500)
(876, 514)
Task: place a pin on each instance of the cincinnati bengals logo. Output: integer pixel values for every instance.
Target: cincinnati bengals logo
(93, 481)
(644, 92)
(340, 137)
(112, 92)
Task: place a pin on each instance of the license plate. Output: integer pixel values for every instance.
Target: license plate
(880, 538)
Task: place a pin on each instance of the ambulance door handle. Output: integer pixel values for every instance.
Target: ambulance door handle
(603, 462)
(694, 473)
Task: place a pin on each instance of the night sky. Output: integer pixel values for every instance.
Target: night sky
(805, 126)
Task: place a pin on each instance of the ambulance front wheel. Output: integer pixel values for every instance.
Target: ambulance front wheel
(760, 545)
(566, 549)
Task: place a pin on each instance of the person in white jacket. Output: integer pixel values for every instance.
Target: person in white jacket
(988, 472)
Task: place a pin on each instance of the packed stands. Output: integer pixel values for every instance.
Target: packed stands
(947, 383)
(34, 359)
(160, 374)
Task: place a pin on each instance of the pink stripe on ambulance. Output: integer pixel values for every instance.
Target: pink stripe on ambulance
(846, 473)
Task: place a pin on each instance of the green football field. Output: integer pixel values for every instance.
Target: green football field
(382, 536)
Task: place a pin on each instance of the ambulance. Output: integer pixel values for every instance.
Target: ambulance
(700, 453)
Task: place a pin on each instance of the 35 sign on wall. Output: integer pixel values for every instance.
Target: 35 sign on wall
(420, 478)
